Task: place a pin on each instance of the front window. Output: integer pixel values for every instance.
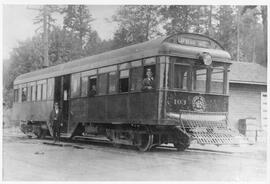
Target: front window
(188, 75)
(217, 80)
(199, 79)
(181, 74)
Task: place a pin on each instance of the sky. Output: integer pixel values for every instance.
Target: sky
(18, 23)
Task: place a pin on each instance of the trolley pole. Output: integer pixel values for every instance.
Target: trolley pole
(45, 37)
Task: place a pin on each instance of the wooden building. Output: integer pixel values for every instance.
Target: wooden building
(248, 94)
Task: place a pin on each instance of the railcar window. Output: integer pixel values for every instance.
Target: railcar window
(136, 63)
(199, 80)
(28, 92)
(75, 85)
(84, 86)
(112, 82)
(107, 69)
(33, 92)
(102, 84)
(92, 86)
(150, 61)
(181, 74)
(123, 66)
(24, 94)
(124, 81)
(136, 78)
(16, 95)
(39, 90)
(44, 91)
(20, 94)
(217, 80)
(149, 79)
(50, 90)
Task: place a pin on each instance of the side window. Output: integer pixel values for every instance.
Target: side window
(20, 94)
(75, 85)
(33, 91)
(28, 92)
(123, 81)
(199, 78)
(181, 74)
(44, 90)
(149, 77)
(50, 89)
(102, 84)
(84, 86)
(92, 90)
(112, 82)
(39, 90)
(24, 93)
(16, 94)
(89, 83)
(136, 73)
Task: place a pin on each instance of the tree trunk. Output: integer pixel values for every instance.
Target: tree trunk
(264, 18)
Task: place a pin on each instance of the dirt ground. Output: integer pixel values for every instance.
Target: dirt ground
(32, 160)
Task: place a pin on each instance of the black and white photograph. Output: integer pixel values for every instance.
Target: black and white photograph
(132, 92)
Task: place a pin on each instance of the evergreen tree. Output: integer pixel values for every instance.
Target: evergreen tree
(136, 24)
(77, 20)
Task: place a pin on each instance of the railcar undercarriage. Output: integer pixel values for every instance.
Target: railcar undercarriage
(204, 128)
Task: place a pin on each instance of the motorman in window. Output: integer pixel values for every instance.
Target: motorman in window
(56, 121)
(148, 82)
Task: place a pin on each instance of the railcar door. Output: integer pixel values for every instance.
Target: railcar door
(61, 95)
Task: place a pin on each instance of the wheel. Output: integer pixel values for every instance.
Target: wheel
(144, 141)
(181, 140)
(40, 133)
(180, 146)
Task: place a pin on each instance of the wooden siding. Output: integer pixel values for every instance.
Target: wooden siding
(36, 111)
(245, 102)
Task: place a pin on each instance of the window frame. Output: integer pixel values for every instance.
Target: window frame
(50, 88)
(33, 91)
(137, 64)
(128, 78)
(75, 77)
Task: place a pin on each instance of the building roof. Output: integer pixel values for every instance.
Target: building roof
(248, 73)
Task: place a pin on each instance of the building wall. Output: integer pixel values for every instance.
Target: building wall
(245, 102)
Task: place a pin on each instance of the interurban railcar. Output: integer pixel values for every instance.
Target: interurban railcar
(104, 95)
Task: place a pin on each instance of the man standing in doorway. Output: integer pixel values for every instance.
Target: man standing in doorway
(56, 121)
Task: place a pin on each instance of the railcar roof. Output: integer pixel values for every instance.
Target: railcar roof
(159, 46)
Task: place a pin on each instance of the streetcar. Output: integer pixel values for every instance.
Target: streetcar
(170, 90)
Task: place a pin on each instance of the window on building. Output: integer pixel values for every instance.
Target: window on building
(75, 85)
(112, 82)
(92, 86)
(123, 81)
(102, 84)
(50, 89)
(181, 74)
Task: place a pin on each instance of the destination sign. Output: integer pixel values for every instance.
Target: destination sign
(193, 42)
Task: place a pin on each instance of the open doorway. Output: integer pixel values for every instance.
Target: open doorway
(61, 95)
